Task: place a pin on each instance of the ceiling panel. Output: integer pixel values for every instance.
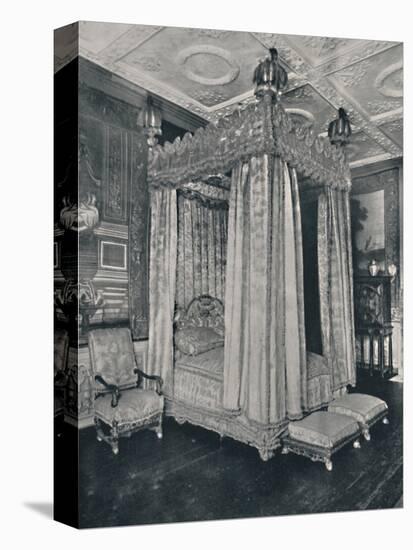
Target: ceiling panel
(94, 37)
(210, 68)
(394, 129)
(320, 49)
(362, 146)
(310, 108)
(376, 83)
(209, 72)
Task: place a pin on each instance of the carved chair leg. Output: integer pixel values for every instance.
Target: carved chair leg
(114, 442)
(100, 436)
(158, 429)
(366, 434)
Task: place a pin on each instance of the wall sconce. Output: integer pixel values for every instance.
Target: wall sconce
(150, 118)
(339, 130)
(270, 76)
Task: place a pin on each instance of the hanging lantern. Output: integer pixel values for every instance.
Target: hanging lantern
(270, 76)
(339, 130)
(150, 118)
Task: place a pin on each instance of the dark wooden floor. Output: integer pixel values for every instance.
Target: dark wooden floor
(190, 476)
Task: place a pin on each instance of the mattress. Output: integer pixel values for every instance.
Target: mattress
(198, 380)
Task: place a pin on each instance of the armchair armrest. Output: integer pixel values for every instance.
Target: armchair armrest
(110, 387)
(157, 379)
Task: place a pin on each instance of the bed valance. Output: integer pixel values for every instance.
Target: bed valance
(261, 128)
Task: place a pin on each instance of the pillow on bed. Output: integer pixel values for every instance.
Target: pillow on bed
(196, 340)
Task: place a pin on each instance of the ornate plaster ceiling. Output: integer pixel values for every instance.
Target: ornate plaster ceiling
(209, 72)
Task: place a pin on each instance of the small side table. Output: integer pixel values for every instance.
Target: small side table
(373, 321)
(376, 334)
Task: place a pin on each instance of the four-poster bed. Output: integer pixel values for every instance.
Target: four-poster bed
(229, 319)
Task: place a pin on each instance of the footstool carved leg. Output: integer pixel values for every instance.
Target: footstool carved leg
(328, 464)
(386, 420)
(356, 444)
(159, 433)
(115, 447)
(366, 434)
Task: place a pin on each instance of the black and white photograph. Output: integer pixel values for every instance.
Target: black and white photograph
(228, 273)
(205, 246)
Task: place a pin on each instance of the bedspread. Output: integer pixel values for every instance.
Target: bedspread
(199, 380)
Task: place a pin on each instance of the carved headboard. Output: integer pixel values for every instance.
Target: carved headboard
(203, 311)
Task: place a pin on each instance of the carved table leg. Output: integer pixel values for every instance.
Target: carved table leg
(371, 351)
(391, 354)
(381, 353)
(362, 351)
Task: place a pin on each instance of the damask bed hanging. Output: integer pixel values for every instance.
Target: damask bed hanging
(267, 377)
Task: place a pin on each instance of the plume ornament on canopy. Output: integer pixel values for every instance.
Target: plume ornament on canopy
(339, 130)
(270, 76)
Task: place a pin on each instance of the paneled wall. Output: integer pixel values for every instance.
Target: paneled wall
(101, 219)
(117, 154)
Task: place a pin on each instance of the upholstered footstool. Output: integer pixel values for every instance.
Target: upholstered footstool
(320, 435)
(365, 409)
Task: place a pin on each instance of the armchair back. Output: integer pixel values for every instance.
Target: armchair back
(112, 356)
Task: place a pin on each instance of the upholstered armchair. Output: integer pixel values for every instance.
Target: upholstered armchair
(122, 405)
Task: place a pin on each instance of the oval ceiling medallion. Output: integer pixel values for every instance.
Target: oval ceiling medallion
(208, 65)
(304, 117)
(389, 82)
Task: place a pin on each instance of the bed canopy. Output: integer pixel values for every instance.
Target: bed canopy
(254, 167)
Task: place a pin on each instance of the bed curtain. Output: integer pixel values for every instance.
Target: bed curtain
(336, 292)
(265, 356)
(162, 285)
(202, 244)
